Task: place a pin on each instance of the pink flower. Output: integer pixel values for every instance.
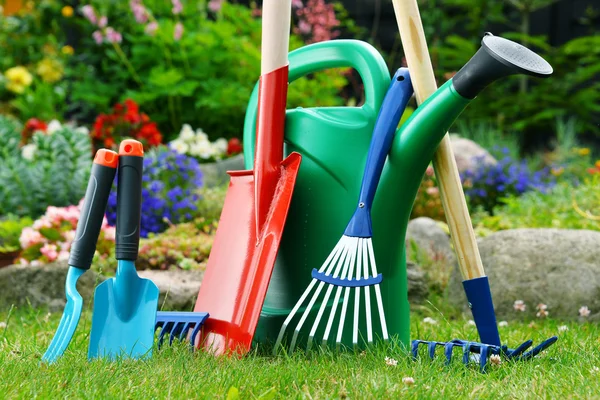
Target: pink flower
(140, 13)
(177, 7)
(432, 191)
(49, 250)
(429, 171)
(304, 27)
(584, 311)
(35, 263)
(215, 5)
(519, 305)
(542, 313)
(63, 255)
(97, 35)
(102, 22)
(29, 237)
(109, 233)
(178, 31)
(113, 36)
(89, 13)
(151, 28)
(297, 4)
(42, 222)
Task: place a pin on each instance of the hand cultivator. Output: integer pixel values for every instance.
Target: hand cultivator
(496, 58)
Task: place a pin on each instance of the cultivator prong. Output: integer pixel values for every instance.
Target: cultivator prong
(178, 324)
(480, 352)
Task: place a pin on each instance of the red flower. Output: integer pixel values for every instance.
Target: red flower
(32, 125)
(234, 146)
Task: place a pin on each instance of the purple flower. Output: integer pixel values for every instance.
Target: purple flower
(151, 28)
(139, 12)
(178, 31)
(102, 22)
(215, 5)
(98, 38)
(113, 36)
(177, 7)
(89, 13)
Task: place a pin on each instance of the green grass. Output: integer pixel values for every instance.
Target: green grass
(564, 371)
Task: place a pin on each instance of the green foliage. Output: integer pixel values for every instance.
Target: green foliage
(204, 79)
(41, 100)
(565, 206)
(10, 231)
(56, 175)
(10, 136)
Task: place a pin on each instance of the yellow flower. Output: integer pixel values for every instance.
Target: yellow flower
(68, 50)
(597, 164)
(557, 171)
(67, 11)
(49, 70)
(584, 151)
(18, 79)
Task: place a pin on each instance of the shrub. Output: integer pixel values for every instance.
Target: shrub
(10, 232)
(487, 185)
(428, 202)
(169, 190)
(51, 170)
(51, 236)
(183, 246)
(565, 206)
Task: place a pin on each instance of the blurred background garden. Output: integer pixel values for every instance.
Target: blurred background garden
(77, 76)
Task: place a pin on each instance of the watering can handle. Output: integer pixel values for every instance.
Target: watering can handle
(321, 56)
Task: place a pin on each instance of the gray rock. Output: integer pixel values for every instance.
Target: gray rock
(467, 152)
(215, 174)
(418, 288)
(429, 237)
(42, 286)
(556, 267)
(178, 288)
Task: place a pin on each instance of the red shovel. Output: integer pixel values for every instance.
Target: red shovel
(256, 206)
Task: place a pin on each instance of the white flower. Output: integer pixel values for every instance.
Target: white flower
(429, 320)
(495, 360)
(391, 361)
(408, 380)
(471, 322)
(53, 126)
(584, 311)
(28, 151)
(563, 328)
(179, 146)
(519, 305)
(187, 133)
(503, 323)
(202, 149)
(221, 145)
(82, 130)
(542, 313)
(2, 325)
(594, 370)
(35, 263)
(201, 136)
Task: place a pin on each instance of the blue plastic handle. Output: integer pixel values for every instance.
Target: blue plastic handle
(392, 108)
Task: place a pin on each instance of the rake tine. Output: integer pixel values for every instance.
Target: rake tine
(195, 332)
(466, 353)
(519, 350)
(185, 330)
(177, 328)
(431, 349)
(378, 293)
(448, 348)
(539, 348)
(483, 356)
(338, 339)
(165, 328)
(414, 348)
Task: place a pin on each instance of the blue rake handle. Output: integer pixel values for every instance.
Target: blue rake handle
(394, 103)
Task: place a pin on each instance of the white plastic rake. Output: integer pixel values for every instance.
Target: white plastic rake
(351, 265)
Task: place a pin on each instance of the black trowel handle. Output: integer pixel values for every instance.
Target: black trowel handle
(94, 207)
(129, 199)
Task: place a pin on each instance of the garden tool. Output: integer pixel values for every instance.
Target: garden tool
(256, 206)
(354, 251)
(177, 324)
(125, 306)
(497, 56)
(84, 247)
(333, 140)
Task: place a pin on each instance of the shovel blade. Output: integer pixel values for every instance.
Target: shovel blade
(240, 263)
(123, 327)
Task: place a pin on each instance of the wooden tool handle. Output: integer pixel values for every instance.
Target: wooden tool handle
(446, 171)
(275, 35)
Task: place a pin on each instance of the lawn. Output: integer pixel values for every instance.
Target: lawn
(569, 369)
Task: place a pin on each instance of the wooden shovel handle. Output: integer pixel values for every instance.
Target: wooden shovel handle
(275, 35)
(444, 163)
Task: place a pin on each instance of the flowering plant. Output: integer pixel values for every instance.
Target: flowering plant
(197, 145)
(125, 121)
(487, 185)
(169, 190)
(51, 236)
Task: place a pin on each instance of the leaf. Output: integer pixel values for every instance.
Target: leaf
(164, 78)
(233, 393)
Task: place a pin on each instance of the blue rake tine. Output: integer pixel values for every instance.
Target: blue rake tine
(414, 348)
(539, 348)
(514, 353)
(166, 327)
(448, 348)
(483, 356)
(177, 328)
(431, 349)
(185, 330)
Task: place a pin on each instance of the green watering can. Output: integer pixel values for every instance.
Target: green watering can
(334, 142)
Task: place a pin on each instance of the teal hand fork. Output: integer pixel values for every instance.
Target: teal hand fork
(83, 248)
(125, 306)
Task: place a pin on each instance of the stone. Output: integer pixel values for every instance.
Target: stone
(178, 288)
(468, 153)
(215, 174)
(429, 236)
(556, 267)
(42, 286)
(418, 288)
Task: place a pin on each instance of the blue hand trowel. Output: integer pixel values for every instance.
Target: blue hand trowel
(125, 306)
